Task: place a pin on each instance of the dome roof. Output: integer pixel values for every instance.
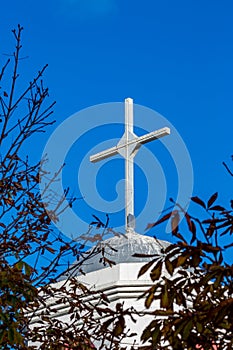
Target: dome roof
(120, 249)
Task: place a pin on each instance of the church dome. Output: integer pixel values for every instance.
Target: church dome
(120, 249)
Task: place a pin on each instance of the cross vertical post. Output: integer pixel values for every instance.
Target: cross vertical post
(129, 166)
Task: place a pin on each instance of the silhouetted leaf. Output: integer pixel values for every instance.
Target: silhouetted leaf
(209, 248)
(218, 208)
(164, 218)
(146, 334)
(175, 222)
(149, 300)
(187, 329)
(179, 235)
(198, 201)
(212, 200)
(169, 266)
(155, 335)
(162, 312)
(50, 249)
(188, 220)
(156, 271)
(28, 269)
(145, 267)
(119, 326)
(196, 259)
(181, 299)
(164, 301)
(181, 260)
(193, 230)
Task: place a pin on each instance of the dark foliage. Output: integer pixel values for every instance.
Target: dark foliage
(31, 253)
(195, 290)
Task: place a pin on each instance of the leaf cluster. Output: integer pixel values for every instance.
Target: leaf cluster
(192, 289)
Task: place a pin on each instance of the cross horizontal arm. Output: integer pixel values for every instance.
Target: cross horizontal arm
(154, 135)
(104, 154)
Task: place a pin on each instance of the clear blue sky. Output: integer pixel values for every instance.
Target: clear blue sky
(175, 57)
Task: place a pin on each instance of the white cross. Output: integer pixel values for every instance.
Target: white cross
(127, 147)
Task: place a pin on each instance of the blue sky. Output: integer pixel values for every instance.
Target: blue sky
(175, 57)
